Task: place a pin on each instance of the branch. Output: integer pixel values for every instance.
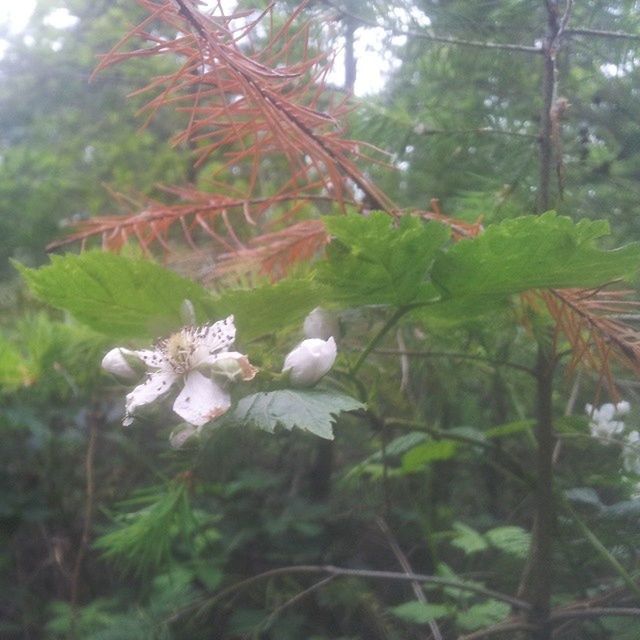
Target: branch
(367, 573)
(434, 38)
(503, 627)
(595, 612)
(404, 563)
(479, 130)
(602, 33)
(453, 355)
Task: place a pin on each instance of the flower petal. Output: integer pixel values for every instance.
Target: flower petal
(153, 358)
(201, 400)
(155, 386)
(213, 338)
(606, 412)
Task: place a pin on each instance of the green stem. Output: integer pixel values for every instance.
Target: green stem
(388, 325)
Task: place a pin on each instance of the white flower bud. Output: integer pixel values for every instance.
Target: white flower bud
(118, 363)
(309, 361)
(321, 324)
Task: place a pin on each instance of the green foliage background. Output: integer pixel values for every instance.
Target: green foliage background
(441, 453)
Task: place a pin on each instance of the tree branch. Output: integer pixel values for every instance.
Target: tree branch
(434, 38)
(602, 33)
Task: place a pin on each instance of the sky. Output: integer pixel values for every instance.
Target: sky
(374, 64)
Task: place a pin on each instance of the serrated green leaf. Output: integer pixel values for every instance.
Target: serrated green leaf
(482, 615)
(378, 260)
(512, 540)
(309, 410)
(532, 252)
(120, 297)
(429, 451)
(420, 612)
(468, 539)
(270, 307)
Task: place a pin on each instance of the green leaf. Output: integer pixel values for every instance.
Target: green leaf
(429, 451)
(509, 428)
(512, 540)
(532, 252)
(380, 260)
(482, 615)
(468, 539)
(584, 496)
(120, 297)
(420, 612)
(14, 371)
(309, 410)
(270, 307)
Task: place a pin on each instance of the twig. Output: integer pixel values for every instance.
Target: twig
(499, 628)
(299, 596)
(454, 355)
(366, 573)
(602, 33)
(595, 612)
(479, 130)
(404, 563)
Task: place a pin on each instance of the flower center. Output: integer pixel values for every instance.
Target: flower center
(179, 349)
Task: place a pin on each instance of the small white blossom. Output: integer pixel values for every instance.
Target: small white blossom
(309, 361)
(602, 424)
(322, 324)
(631, 453)
(118, 363)
(197, 358)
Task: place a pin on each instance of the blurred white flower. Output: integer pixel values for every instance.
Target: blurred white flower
(322, 324)
(309, 361)
(196, 358)
(602, 424)
(631, 453)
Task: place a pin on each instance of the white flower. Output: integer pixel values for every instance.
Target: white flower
(118, 363)
(196, 358)
(309, 361)
(631, 453)
(602, 424)
(321, 324)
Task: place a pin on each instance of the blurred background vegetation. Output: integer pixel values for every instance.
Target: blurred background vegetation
(168, 529)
